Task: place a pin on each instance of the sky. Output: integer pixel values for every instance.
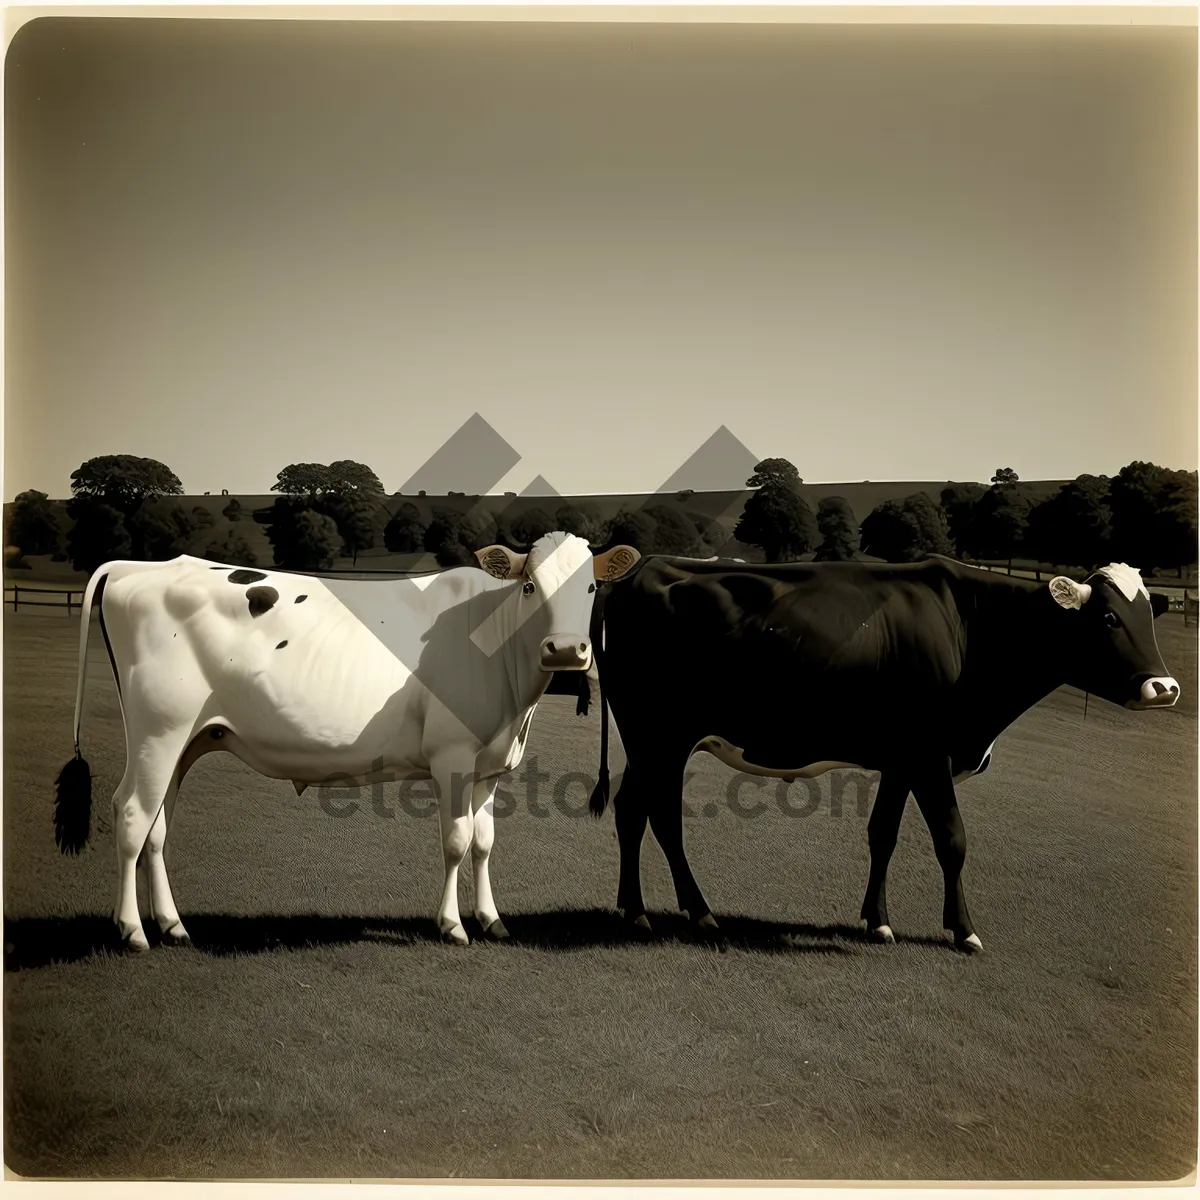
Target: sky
(880, 252)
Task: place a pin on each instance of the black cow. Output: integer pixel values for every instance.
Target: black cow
(792, 669)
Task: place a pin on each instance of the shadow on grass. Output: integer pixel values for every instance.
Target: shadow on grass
(41, 941)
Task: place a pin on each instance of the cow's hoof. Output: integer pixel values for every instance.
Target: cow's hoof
(134, 941)
(883, 935)
(640, 926)
(707, 925)
(455, 936)
(970, 944)
(496, 931)
(176, 936)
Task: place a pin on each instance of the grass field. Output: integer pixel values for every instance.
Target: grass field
(319, 1028)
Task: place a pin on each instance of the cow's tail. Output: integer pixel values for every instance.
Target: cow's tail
(598, 801)
(73, 787)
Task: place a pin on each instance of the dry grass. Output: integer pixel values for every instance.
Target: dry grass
(318, 1028)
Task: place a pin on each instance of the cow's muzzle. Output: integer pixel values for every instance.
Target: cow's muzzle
(562, 652)
(1160, 691)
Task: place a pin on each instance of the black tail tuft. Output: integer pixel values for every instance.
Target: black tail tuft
(599, 798)
(73, 806)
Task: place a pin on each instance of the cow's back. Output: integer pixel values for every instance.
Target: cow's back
(853, 658)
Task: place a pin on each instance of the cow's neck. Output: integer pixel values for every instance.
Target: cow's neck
(523, 676)
(1013, 654)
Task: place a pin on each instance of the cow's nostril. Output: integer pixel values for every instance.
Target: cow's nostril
(550, 647)
(1159, 688)
(583, 647)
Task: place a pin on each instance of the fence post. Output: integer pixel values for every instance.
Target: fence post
(16, 596)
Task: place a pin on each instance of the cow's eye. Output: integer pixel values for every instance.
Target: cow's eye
(528, 588)
(1112, 620)
(591, 588)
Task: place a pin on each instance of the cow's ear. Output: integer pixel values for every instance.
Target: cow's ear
(1159, 603)
(1068, 593)
(501, 562)
(614, 563)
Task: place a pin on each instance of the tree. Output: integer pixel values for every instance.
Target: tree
(444, 539)
(1153, 515)
(931, 523)
(232, 549)
(161, 533)
(1175, 527)
(232, 512)
(710, 532)
(891, 532)
(1073, 526)
(1005, 475)
(354, 515)
(634, 528)
(583, 520)
(348, 477)
(839, 530)
(532, 524)
(673, 532)
(33, 525)
(124, 481)
(906, 530)
(479, 528)
(405, 532)
(312, 543)
(998, 522)
(309, 480)
(98, 534)
(958, 503)
(776, 518)
(280, 520)
(774, 472)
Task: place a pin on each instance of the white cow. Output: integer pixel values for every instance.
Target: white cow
(315, 680)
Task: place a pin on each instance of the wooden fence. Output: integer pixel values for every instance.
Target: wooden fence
(19, 592)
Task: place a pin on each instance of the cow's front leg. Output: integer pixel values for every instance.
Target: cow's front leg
(934, 792)
(483, 837)
(882, 831)
(455, 780)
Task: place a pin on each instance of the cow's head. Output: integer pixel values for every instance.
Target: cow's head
(558, 581)
(1111, 642)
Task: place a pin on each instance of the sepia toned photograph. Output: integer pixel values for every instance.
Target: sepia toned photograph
(601, 597)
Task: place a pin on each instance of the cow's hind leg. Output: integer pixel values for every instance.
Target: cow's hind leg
(482, 838)
(934, 793)
(882, 831)
(630, 812)
(137, 804)
(454, 776)
(666, 823)
(162, 903)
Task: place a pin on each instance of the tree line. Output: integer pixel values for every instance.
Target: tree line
(1145, 515)
(121, 506)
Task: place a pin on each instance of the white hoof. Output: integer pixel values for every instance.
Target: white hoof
(455, 935)
(972, 944)
(708, 921)
(495, 930)
(884, 935)
(642, 922)
(134, 939)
